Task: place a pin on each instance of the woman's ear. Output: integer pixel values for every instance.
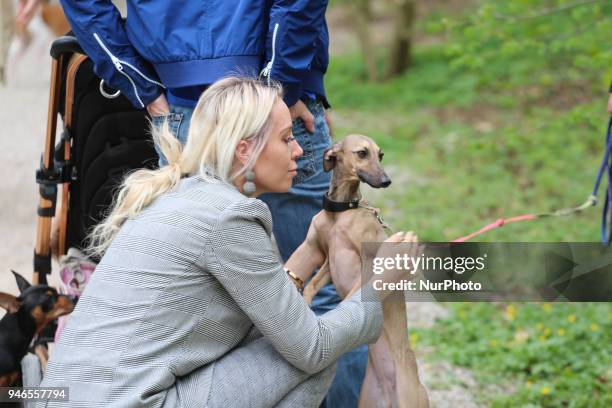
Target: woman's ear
(243, 152)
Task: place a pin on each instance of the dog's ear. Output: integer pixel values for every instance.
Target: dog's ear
(22, 284)
(329, 157)
(9, 302)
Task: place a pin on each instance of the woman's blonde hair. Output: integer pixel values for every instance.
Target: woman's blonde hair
(230, 110)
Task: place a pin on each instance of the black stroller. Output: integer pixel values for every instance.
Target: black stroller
(103, 137)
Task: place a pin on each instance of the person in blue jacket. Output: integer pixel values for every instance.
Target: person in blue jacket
(165, 54)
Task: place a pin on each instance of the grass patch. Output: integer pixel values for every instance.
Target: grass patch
(550, 355)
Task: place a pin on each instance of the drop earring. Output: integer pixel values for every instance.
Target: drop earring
(249, 186)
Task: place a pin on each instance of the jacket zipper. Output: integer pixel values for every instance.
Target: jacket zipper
(119, 65)
(268, 68)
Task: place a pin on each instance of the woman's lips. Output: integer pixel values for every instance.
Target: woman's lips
(293, 172)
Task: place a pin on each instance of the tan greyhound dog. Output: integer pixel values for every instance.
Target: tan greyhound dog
(334, 243)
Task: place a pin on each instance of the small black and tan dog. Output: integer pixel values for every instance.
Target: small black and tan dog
(26, 315)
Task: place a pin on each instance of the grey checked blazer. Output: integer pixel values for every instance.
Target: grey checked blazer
(180, 286)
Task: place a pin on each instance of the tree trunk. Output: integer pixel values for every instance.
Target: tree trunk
(363, 15)
(401, 46)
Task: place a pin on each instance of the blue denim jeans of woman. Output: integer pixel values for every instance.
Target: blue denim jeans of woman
(178, 122)
(291, 216)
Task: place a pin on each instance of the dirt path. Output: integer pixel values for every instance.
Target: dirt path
(448, 386)
(23, 115)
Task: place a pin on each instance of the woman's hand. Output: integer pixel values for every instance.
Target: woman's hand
(610, 104)
(404, 244)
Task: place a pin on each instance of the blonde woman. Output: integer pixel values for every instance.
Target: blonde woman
(190, 305)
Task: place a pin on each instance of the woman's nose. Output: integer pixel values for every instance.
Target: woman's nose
(297, 150)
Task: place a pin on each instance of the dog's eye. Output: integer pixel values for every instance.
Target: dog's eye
(362, 154)
(47, 305)
(49, 302)
(380, 156)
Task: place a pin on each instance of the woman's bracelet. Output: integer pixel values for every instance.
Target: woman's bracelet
(299, 283)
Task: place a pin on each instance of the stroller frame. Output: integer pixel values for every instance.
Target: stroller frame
(52, 173)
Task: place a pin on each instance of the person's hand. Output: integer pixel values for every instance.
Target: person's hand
(300, 110)
(400, 243)
(610, 104)
(25, 11)
(159, 106)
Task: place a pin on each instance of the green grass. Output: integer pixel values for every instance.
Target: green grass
(542, 354)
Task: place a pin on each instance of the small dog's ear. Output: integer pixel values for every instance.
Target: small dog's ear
(329, 160)
(329, 157)
(9, 302)
(22, 284)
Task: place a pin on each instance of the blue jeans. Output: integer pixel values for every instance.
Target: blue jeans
(291, 216)
(178, 122)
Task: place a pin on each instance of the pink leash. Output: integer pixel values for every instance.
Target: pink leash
(497, 224)
(590, 202)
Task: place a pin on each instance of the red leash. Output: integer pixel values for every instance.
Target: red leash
(499, 223)
(591, 201)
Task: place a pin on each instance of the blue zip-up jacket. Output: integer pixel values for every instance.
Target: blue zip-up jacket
(182, 43)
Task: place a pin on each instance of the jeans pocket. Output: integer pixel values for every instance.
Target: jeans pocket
(174, 122)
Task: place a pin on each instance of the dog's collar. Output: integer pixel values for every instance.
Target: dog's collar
(338, 206)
